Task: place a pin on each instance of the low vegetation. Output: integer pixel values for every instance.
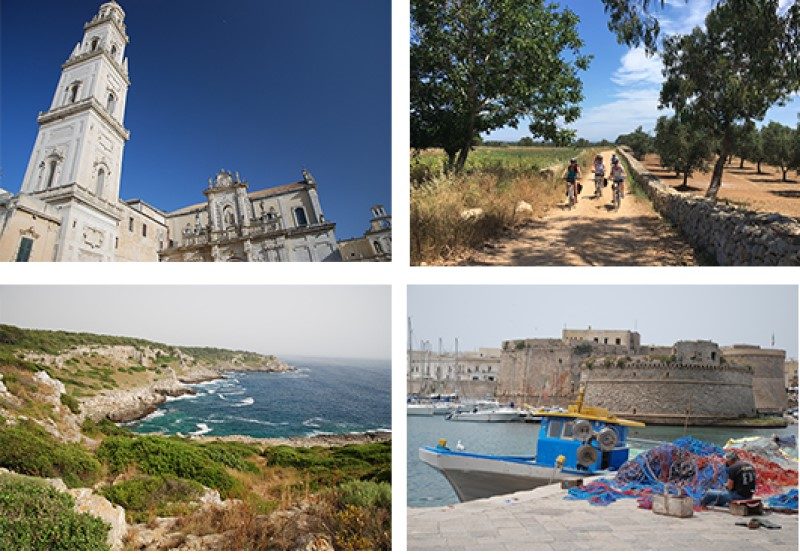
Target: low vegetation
(28, 449)
(35, 516)
(453, 214)
(145, 497)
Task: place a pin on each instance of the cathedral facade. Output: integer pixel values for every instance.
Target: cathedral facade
(68, 207)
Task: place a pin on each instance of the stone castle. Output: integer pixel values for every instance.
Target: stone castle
(69, 209)
(693, 381)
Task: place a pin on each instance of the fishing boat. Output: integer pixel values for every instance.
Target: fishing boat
(489, 411)
(580, 441)
(419, 409)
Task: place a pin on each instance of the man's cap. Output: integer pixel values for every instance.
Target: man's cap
(731, 456)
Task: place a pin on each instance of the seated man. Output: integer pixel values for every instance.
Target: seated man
(740, 486)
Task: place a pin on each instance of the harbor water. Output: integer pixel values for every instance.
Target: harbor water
(324, 396)
(427, 487)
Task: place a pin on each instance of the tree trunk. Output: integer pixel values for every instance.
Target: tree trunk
(716, 178)
(685, 177)
(758, 167)
(462, 157)
(785, 171)
(451, 161)
(741, 162)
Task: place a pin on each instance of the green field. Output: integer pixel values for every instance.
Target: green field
(513, 159)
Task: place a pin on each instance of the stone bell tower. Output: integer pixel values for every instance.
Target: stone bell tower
(82, 136)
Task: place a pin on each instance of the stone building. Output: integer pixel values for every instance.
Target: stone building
(69, 209)
(790, 373)
(375, 245)
(769, 381)
(468, 373)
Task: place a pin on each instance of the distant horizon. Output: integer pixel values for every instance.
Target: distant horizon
(334, 321)
(483, 316)
(277, 354)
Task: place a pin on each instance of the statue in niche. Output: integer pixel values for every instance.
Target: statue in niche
(308, 178)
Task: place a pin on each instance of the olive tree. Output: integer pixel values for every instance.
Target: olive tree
(744, 62)
(479, 65)
(749, 145)
(682, 147)
(779, 146)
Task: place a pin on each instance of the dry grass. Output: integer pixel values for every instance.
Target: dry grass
(439, 231)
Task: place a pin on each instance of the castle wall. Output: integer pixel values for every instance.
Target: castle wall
(671, 393)
(769, 388)
(539, 370)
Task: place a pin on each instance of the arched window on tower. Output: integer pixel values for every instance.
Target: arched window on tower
(111, 103)
(228, 217)
(95, 42)
(101, 179)
(378, 247)
(52, 166)
(72, 92)
(300, 217)
(113, 50)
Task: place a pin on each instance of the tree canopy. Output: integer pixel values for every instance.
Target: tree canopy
(479, 65)
(779, 146)
(639, 141)
(734, 71)
(682, 147)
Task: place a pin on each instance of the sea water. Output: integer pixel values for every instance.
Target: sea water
(324, 396)
(427, 487)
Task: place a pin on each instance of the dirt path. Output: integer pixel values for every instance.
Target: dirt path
(593, 233)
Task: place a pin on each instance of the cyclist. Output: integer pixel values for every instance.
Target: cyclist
(573, 174)
(599, 174)
(618, 176)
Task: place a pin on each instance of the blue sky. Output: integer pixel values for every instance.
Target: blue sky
(265, 88)
(663, 314)
(622, 85)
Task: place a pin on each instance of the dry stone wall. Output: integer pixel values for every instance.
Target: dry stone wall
(728, 234)
(669, 393)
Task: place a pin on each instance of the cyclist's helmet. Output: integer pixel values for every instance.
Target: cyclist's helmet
(614, 159)
(573, 161)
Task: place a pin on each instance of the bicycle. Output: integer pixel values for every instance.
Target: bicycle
(617, 186)
(598, 185)
(571, 200)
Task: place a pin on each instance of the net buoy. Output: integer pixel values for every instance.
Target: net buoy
(582, 430)
(586, 455)
(607, 439)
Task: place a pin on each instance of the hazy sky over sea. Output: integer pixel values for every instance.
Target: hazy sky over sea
(327, 321)
(482, 315)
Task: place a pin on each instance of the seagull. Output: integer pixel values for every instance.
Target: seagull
(459, 446)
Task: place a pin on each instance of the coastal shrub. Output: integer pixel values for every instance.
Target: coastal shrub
(332, 465)
(144, 497)
(27, 448)
(231, 454)
(71, 402)
(365, 494)
(103, 428)
(163, 456)
(358, 528)
(35, 516)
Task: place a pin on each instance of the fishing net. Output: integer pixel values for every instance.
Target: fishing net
(685, 466)
(785, 501)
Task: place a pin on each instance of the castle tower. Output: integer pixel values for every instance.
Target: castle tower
(81, 137)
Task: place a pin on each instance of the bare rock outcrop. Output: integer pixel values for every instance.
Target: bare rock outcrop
(132, 404)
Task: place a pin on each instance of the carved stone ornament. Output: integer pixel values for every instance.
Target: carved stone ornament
(92, 237)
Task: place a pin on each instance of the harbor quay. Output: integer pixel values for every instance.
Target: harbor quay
(542, 519)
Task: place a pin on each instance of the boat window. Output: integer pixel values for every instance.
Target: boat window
(567, 434)
(555, 428)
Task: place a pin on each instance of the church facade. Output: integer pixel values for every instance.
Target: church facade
(68, 207)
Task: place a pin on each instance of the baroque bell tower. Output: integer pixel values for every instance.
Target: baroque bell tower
(82, 136)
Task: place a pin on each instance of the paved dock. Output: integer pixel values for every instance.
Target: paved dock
(542, 520)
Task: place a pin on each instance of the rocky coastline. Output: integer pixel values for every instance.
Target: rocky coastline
(328, 441)
(127, 405)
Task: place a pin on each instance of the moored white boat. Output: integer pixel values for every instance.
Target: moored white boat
(419, 409)
(577, 442)
(487, 411)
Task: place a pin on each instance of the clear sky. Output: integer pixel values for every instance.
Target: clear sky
(265, 88)
(622, 85)
(326, 321)
(487, 315)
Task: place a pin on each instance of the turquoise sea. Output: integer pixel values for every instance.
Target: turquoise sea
(324, 396)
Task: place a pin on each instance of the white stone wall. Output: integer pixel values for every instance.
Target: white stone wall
(730, 235)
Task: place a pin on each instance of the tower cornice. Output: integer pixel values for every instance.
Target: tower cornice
(98, 20)
(82, 106)
(80, 58)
